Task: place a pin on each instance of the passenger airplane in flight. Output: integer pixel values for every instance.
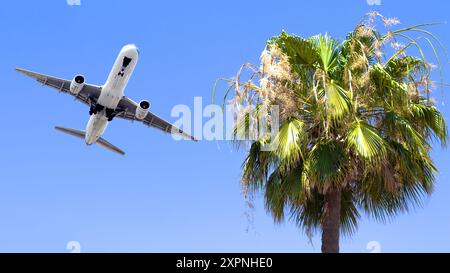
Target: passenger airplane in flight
(107, 101)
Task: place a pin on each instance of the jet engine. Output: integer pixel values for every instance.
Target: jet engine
(142, 109)
(77, 84)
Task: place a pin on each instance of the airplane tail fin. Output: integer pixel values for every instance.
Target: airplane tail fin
(81, 134)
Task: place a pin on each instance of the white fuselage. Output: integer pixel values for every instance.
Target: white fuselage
(112, 91)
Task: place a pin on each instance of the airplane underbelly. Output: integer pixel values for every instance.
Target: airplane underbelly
(110, 98)
(95, 128)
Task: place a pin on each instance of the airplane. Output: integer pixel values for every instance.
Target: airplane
(107, 101)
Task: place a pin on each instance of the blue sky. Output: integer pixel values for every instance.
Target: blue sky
(164, 195)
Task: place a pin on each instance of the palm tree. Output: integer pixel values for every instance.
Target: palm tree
(356, 127)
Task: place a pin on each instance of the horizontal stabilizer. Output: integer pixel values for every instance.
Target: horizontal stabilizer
(72, 132)
(105, 144)
(81, 134)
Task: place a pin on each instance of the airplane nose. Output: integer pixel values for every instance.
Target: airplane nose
(135, 49)
(130, 50)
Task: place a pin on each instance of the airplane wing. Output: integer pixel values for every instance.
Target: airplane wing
(128, 109)
(89, 92)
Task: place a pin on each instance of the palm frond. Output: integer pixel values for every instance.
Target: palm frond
(400, 126)
(338, 101)
(256, 167)
(328, 50)
(287, 144)
(365, 141)
(327, 162)
(301, 52)
(284, 189)
(430, 117)
(349, 213)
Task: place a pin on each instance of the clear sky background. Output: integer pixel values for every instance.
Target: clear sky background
(165, 195)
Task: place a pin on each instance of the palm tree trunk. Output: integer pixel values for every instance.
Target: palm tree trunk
(331, 221)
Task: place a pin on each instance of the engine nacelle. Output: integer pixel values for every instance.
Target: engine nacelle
(77, 84)
(142, 109)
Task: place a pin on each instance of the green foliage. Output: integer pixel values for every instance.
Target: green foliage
(328, 50)
(327, 162)
(338, 100)
(365, 141)
(288, 143)
(301, 52)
